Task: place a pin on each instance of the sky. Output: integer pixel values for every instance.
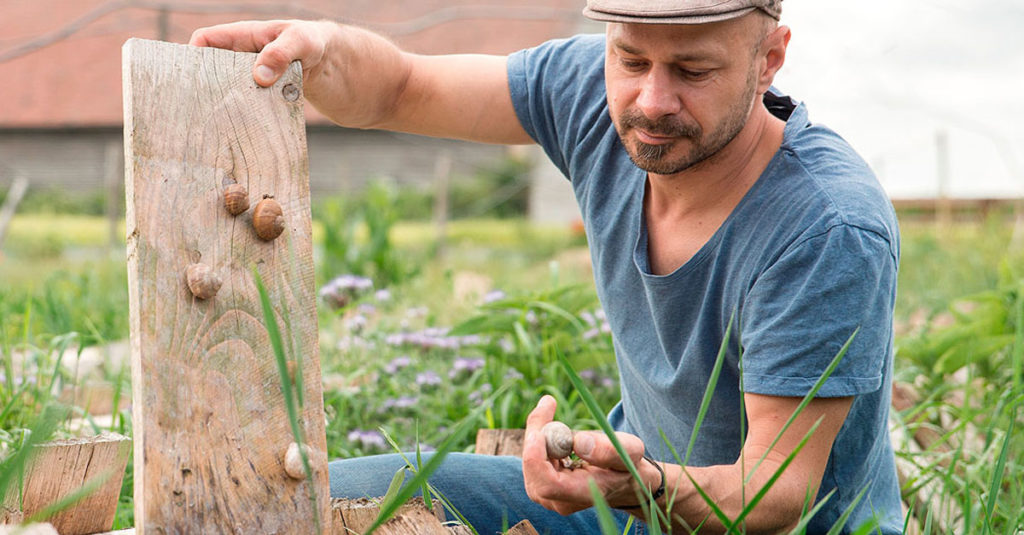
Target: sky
(894, 77)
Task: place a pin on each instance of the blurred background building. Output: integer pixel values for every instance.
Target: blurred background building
(925, 91)
(61, 111)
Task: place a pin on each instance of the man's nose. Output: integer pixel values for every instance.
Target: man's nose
(657, 96)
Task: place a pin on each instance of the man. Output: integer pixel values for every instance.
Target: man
(710, 201)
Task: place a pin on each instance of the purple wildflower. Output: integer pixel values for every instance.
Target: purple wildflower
(478, 395)
(493, 295)
(367, 439)
(513, 375)
(383, 295)
(404, 402)
(465, 365)
(428, 378)
(341, 290)
(356, 323)
(397, 363)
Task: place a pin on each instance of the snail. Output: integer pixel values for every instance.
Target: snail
(558, 437)
(236, 198)
(202, 280)
(267, 218)
(293, 461)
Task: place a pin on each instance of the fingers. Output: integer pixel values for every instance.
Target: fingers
(595, 448)
(278, 43)
(291, 44)
(246, 36)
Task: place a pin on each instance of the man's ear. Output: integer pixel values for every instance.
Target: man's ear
(772, 57)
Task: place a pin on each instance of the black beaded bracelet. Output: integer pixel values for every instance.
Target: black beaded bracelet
(658, 492)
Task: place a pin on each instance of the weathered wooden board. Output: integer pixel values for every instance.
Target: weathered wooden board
(210, 422)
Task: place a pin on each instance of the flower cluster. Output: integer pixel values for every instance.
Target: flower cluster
(464, 365)
(342, 290)
(431, 338)
(598, 323)
(367, 439)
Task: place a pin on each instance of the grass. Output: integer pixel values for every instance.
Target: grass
(432, 338)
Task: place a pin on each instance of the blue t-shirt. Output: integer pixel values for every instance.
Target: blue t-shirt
(807, 258)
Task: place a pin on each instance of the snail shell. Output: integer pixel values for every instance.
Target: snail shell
(236, 199)
(293, 461)
(268, 219)
(202, 280)
(558, 437)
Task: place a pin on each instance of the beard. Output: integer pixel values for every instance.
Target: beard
(658, 159)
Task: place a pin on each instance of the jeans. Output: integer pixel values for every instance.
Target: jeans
(487, 490)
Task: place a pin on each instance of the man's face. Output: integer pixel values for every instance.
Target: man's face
(680, 93)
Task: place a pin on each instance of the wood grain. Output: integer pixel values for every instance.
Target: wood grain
(62, 467)
(500, 442)
(210, 423)
(354, 517)
(522, 528)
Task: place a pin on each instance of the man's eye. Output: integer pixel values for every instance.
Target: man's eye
(631, 64)
(694, 75)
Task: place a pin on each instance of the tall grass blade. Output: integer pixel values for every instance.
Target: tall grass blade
(276, 343)
(605, 519)
(807, 516)
(840, 523)
(71, 499)
(602, 421)
(729, 525)
(997, 474)
(422, 475)
(12, 468)
(749, 506)
(803, 403)
(709, 391)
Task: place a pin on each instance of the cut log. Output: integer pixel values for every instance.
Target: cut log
(522, 528)
(354, 517)
(211, 425)
(500, 442)
(60, 468)
(31, 529)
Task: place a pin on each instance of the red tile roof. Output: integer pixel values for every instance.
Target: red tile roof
(60, 60)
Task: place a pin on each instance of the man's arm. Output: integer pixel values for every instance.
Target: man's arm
(361, 80)
(566, 491)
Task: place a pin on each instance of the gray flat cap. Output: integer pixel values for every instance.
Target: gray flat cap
(676, 11)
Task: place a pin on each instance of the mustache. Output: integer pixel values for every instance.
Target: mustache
(663, 126)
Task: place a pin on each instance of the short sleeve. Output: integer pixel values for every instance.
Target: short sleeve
(804, 308)
(558, 93)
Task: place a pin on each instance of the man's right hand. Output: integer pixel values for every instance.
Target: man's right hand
(278, 42)
(359, 79)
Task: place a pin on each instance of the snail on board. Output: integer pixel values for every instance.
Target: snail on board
(268, 218)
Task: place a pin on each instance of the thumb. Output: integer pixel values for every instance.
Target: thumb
(595, 448)
(273, 60)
